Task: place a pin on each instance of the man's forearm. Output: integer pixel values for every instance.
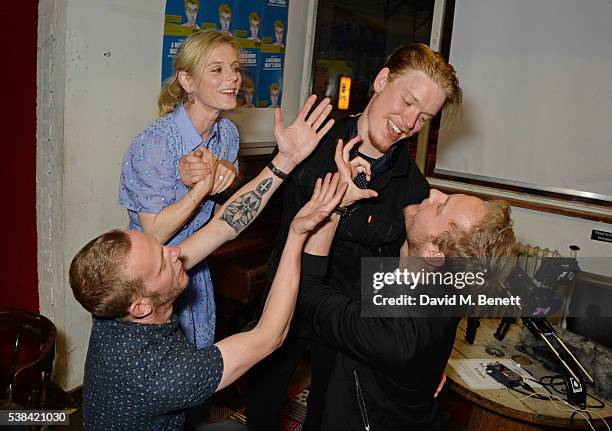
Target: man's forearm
(235, 215)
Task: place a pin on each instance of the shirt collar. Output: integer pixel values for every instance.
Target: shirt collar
(190, 135)
(117, 327)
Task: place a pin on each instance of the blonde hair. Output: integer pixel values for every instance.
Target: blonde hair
(488, 247)
(191, 58)
(418, 56)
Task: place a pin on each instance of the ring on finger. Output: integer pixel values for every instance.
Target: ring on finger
(220, 177)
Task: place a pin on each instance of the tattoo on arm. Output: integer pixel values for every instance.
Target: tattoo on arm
(240, 212)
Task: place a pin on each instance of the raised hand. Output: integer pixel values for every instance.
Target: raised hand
(224, 177)
(192, 168)
(326, 196)
(297, 141)
(349, 169)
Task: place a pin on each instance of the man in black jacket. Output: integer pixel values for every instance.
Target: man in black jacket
(387, 369)
(412, 87)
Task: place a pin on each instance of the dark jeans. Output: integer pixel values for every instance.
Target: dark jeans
(268, 382)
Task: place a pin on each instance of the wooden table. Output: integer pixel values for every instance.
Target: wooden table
(502, 409)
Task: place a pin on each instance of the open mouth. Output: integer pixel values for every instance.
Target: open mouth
(394, 131)
(229, 91)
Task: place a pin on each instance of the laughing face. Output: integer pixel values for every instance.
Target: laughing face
(218, 86)
(399, 108)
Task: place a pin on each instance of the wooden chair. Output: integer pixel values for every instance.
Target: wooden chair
(32, 351)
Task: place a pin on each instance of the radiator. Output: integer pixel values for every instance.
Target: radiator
(529, 257)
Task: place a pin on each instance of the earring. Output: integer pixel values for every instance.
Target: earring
(189, 98)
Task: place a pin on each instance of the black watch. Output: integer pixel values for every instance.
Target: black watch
(280, 174)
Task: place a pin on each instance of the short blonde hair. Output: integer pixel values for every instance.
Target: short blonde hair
(418, 56)
(191, 57)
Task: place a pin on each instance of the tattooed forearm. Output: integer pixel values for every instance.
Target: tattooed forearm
(241, 211)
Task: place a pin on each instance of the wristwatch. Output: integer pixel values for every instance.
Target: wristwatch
(280, 174)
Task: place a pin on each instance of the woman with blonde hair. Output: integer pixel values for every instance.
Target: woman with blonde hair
(204, 84)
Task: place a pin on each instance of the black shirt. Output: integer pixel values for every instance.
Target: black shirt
(374, 228)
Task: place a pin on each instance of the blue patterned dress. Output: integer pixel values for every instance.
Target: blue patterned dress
(150, 182)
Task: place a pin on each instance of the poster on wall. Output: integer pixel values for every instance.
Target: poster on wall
(248, 24)
(259, 28)
(182, 17)
(272, 60)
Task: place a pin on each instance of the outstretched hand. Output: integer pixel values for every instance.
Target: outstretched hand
(297, 141)
(349, 169)
(326, 196)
